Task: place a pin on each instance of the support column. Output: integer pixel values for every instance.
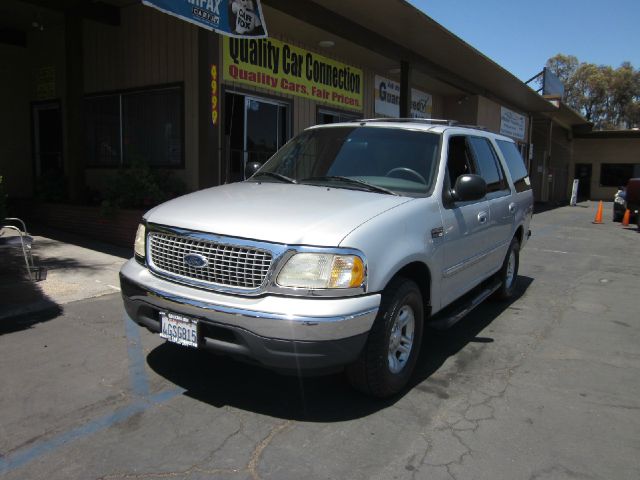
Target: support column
(209, 109)
(405, 89)
(73, 107)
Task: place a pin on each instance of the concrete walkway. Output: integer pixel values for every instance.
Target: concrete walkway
(77, 269)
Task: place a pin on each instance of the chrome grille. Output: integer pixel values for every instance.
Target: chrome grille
(228, 265)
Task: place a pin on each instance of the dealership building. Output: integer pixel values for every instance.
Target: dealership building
(90, 87)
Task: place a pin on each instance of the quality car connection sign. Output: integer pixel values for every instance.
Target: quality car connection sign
(283, 68)
(236, 18)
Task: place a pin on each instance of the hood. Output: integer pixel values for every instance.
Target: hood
(275, 212)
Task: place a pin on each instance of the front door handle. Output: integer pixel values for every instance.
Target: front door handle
(482, 218)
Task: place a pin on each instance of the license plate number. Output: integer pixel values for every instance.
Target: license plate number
(179, 329)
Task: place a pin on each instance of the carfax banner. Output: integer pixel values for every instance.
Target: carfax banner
(235, 18)
(284, 68)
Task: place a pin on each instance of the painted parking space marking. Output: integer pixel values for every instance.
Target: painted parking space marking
(137, 371)
(142, 401)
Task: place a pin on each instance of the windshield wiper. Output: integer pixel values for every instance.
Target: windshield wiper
(354, 181)
(279, 176)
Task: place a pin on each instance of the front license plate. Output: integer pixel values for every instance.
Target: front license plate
(179, 329)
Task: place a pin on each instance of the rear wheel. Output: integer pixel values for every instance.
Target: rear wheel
(509, 272)
(389, 357)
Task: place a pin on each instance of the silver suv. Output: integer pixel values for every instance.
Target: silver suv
(339, 250)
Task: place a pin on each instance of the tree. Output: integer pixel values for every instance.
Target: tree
(610, 98)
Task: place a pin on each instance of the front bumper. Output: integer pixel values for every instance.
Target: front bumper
(285, 333)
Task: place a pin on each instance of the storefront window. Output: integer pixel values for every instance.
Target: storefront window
(618, 174)
(102, 139)
(331, 116)
(145, 126)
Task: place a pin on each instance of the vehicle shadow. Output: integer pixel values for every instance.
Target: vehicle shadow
(438, 346)
(221, 381)
(23, 303)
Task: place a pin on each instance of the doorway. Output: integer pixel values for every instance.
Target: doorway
(47, 139)
(255, 128)
(583, 174)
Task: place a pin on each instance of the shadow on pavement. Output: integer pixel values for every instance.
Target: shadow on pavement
(220, 381)
(438, 346)
(22, 301)
(85, 242)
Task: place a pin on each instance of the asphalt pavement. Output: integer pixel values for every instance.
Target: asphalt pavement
(544, 387)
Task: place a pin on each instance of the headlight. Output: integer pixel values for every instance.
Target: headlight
(319, 270)
(138, 246)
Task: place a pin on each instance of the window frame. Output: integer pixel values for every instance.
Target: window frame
(447, 200)
(504, 187)
(179, 86)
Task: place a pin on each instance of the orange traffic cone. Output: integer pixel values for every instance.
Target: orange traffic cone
(598, 218)
(625, 219)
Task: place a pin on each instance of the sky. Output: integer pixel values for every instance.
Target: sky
(520, 35)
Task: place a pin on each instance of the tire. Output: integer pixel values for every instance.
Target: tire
(375, 373)
(508, 274)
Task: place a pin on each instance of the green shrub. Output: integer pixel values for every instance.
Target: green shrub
(51, 187)
(140, 186)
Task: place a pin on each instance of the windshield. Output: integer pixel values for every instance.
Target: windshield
(378, 159)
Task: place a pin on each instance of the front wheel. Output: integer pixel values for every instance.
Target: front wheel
(389, 357)
(509, 272)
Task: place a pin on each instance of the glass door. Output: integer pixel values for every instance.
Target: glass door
(265, 128)
(47, 139)
(255, 128)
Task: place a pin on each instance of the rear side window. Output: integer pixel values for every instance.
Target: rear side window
(515, 164)
(488, 166)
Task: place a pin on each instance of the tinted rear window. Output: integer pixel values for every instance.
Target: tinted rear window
(515, 164)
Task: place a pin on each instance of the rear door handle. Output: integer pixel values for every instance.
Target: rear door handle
(482, 218)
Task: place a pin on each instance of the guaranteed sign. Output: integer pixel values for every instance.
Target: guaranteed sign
(283, 68)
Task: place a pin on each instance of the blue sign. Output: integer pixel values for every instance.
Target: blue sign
(235, 18)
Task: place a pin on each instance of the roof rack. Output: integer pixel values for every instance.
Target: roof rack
(430, 121)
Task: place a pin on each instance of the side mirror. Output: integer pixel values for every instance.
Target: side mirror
(250, 168)
(469, 188)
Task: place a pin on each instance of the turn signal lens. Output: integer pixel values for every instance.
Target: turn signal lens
(138, 246)
(319, 270)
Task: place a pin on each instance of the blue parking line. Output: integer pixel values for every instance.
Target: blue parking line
(140, 388)
(137, 373)
(26, 455)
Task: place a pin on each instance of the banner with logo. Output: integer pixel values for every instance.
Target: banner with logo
(284, 68)
(387, 97)
(387, 100)
(421, 104)
(235, 18)
(512, 124)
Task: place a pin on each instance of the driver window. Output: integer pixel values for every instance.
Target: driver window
(459, 159)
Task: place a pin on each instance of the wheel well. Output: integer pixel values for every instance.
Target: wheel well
(520, 234)
(419, 273)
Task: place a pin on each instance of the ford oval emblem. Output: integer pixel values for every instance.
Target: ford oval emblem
(196, 260)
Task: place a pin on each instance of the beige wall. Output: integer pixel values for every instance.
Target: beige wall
(19, 67)
(148, 48)
(462, 109)
(15, 140)
(596, 151)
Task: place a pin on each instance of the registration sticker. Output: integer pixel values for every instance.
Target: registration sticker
(179, 329)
